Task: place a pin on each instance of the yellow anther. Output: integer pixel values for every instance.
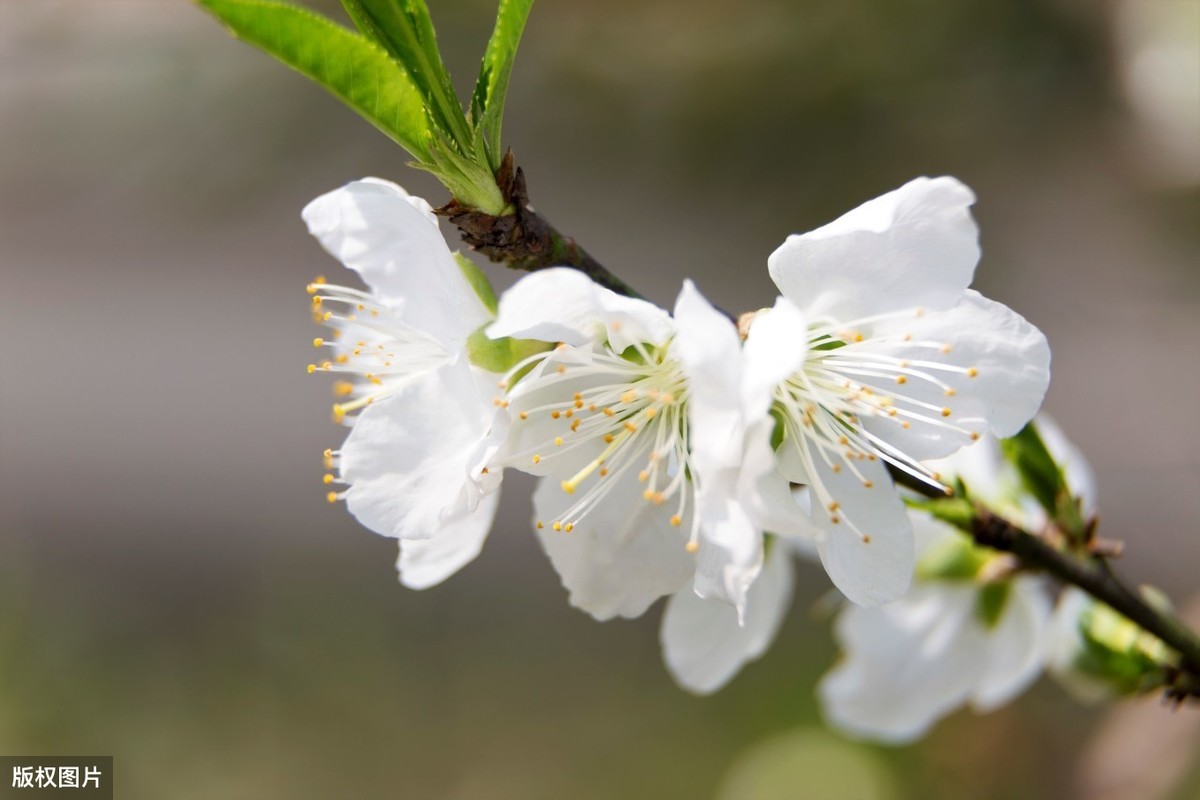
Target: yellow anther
(629, 426)
(361, 307)
(858, 337)
(561, 369)
(578, 396)
(341, 358)
(570, 526)
(868, 484)
(608, 412)
(339, 413)
(312, 368)
(659, 498)
(604, 472)
(906, 424)
(692, 546)
(523, 415)
(558, 441)
(835, 505)
(866, 539)
(317, 342)
(950, 392)
(575, 425)
(568, 487)
(342, 388)
(608, 438)
(946, 412)
(591, 407)
(579, 404)
(537, 459)
(843, 441)
(972, 372)
(901, 379)
(676, 520)
(946, 348)
(374, 312)
(644, 475)
(327, 478)
(648, 494)
(836, 468)
(835, 519)
(555, 414)
(570, 412)
(650, 412)
(484, 471)
(317, 301)
(357, 351)
(540, 525)
(557, 526)
(974, 436)
(332, 497)
(328, 453)
(629, 396)
(666, 398)
(326, 365)
(327, 462)
(892, 412)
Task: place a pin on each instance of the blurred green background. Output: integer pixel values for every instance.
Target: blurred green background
(175, 591)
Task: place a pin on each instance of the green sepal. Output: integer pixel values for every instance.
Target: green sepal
(991, 602)
(479, 282)
(957, 511)
(487, 101)
(500, 355)
(354, 69)
(954, 558)
(1120, 653)
(1043, 478)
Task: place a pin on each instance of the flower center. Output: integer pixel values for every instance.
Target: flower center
(850, 375)
(596, 416)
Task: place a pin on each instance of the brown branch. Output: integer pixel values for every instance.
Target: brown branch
(523, 239)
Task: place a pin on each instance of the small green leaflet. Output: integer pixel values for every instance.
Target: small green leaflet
(404, 29)
(357, 71)
(487, 102)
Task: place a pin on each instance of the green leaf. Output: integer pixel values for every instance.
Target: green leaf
(404, 29)
(479, 282)
(957, 511)
(487, 102)
(354, 69)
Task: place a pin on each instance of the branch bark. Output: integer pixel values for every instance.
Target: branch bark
(523, 239)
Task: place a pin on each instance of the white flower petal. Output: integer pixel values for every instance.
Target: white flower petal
(1015, 646)
(775, 348)
(620, 557)
(869, 552)
(904, 665)
(410, 457)
(564, 305)
(1008, 358)
(731, 550)
(915, 246)
(392, 240)
(427, 562)
(703, 644)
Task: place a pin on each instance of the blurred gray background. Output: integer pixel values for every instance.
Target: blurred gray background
(175, 591)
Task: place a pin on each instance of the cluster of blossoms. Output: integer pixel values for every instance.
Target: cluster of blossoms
(689, 456)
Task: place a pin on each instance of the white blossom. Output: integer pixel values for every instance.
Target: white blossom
(417, 464)
(902, 363)
(632, 507)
